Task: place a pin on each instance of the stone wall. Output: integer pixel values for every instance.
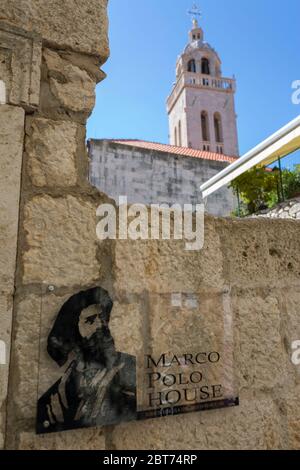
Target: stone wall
(256, 262)
(50, 57)
(285, 210)
(153, 177)
(11, 149)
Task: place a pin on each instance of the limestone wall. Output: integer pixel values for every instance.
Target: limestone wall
(50, 57)
(255, 262)
(259, 262)
(152, 177)
(285, 210)
(11, 149)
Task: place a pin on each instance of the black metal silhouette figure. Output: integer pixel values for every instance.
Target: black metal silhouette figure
(99, 385)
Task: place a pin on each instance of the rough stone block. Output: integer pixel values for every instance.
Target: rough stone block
(260, 357)
(51, 148)
(253, 425)
(83, 439)
(70, 85)
(25, 357)
(81, 26)
(20, 55)
(11, 149)
(293, 416)
(152, 265)
(290, 300)
(61, 240)
(294, 210)
(260, 251)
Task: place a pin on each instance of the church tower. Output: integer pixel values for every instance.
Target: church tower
(201, 105)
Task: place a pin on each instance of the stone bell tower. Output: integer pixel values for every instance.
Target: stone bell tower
(201, 105)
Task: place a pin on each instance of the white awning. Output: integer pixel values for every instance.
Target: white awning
(278, 145)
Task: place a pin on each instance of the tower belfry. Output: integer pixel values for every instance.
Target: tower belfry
(201, 105)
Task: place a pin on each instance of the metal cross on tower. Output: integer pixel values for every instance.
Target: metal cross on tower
(195, 11)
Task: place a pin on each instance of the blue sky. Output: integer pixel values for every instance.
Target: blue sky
(257, 40)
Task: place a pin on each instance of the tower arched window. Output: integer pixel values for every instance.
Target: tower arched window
(218, 127)
(205, 67)
(205, 126)
(179, 134)
(192, 66)
(175, 136)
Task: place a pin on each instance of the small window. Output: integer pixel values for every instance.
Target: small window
(175, 137)
(205, 69)
(192, 66)
(179, 134)
(218, 127)
(205, 126)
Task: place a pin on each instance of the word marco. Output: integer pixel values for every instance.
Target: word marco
(157, 222)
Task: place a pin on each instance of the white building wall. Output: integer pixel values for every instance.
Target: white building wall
(151, 177)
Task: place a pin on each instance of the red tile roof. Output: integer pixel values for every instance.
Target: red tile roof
(184, 151)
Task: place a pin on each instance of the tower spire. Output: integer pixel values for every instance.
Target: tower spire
(196, 32)
(195, 13)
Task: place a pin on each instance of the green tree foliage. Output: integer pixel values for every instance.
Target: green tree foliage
(260, 188)
(291, 182)
(256, 188)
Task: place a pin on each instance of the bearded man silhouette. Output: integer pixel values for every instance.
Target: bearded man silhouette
(98, 387)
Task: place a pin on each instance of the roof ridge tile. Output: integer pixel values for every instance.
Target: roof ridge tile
(167, 148)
